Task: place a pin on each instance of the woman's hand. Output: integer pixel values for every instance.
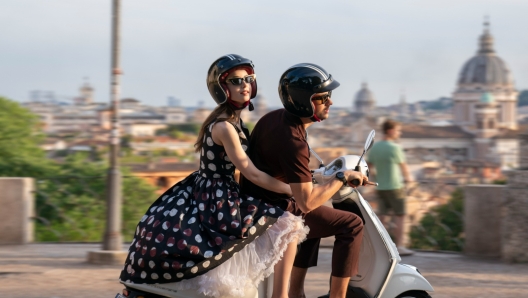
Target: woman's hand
(225, 135)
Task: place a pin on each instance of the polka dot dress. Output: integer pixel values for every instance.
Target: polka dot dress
(198, 223)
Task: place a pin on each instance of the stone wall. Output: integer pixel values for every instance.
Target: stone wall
(483, 220)
(523, 151)
(515, 210)
(17, 210)
(515, 217)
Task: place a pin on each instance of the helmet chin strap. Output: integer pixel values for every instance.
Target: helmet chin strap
(236, 105)
(314, 118)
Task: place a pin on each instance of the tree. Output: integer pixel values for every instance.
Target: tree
(191, 127)
(523, 98)
(442, 227)
(20, 136)
(71, 204)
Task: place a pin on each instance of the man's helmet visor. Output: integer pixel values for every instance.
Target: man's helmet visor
(328, 85)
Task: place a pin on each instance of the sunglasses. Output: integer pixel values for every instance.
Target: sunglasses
(248, 79)
(322, 99)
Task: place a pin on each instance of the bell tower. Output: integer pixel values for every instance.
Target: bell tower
(486, 114)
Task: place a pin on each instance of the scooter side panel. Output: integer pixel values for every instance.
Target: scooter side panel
(374, 260)
(405, 279)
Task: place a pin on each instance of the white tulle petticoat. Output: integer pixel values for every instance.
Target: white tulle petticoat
(251, 265)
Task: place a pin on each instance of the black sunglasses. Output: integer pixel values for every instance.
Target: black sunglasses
(323, 98)
(248, 79)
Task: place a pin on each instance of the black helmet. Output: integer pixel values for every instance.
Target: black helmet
(218, 89)
(297, 85)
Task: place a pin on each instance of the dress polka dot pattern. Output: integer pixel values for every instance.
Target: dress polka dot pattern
(198, 223)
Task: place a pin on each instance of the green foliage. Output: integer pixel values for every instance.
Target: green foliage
(176, 134)
(193, 128)
(523, 98)
(125, 141)
(500, 182)
(163, 152)
(442, 228)
(70, 197)
(130, 158)
(71, 206)
(20, 136)
(250, 126)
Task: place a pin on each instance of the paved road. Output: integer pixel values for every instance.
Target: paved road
(60, 271)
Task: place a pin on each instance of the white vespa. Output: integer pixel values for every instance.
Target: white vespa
(380, 273)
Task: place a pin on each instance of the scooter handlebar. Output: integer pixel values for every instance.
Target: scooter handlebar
(355, 182)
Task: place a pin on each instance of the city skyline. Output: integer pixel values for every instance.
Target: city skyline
(167, 48)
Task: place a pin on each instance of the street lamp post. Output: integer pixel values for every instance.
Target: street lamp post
(113, 239)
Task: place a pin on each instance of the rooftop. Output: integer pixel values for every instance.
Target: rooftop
(434, 132)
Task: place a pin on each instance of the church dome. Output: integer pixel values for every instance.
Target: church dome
(485, 67)
(364, 95)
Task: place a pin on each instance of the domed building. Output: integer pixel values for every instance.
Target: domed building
(364, 102)
(482, 140)
(86, 95)
(485, 73)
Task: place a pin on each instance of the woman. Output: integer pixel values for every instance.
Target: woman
(203, 233)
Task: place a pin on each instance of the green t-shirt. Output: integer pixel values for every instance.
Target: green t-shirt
(386, 156)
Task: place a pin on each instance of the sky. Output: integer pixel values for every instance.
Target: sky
(396, 46)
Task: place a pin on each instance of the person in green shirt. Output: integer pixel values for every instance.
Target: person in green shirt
(388, 160)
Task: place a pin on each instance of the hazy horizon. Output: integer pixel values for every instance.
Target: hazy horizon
(167, 46)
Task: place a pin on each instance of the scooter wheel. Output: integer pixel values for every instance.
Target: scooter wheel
(414, 294)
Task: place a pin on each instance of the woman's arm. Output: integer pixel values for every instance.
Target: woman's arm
(225, 134)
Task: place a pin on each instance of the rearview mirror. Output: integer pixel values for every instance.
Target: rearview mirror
(370, 140)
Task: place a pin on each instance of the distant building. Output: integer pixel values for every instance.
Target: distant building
(142, 129)
(484, 111)
(200, 114)
(174, 115)
(83, 114)
(485, 125)
(364, 101)
(86, 95)
(146, 144)
(53, 144)
(162, 175)
(485, 73)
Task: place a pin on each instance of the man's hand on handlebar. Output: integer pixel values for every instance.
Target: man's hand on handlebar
(356, 179)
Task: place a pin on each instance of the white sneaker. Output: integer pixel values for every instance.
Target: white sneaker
(405, 251)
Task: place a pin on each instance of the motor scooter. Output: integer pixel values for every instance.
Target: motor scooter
(380, 274)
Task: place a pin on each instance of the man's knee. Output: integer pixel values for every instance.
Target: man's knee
(354, 225)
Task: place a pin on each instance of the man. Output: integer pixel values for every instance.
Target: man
(278, 147)
(388, 160)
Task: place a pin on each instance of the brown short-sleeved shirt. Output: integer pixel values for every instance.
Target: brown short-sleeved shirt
(279, 148)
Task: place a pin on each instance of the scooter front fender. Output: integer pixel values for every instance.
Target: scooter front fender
(405, 278)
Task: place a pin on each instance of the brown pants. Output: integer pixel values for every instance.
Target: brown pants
(325, 222)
